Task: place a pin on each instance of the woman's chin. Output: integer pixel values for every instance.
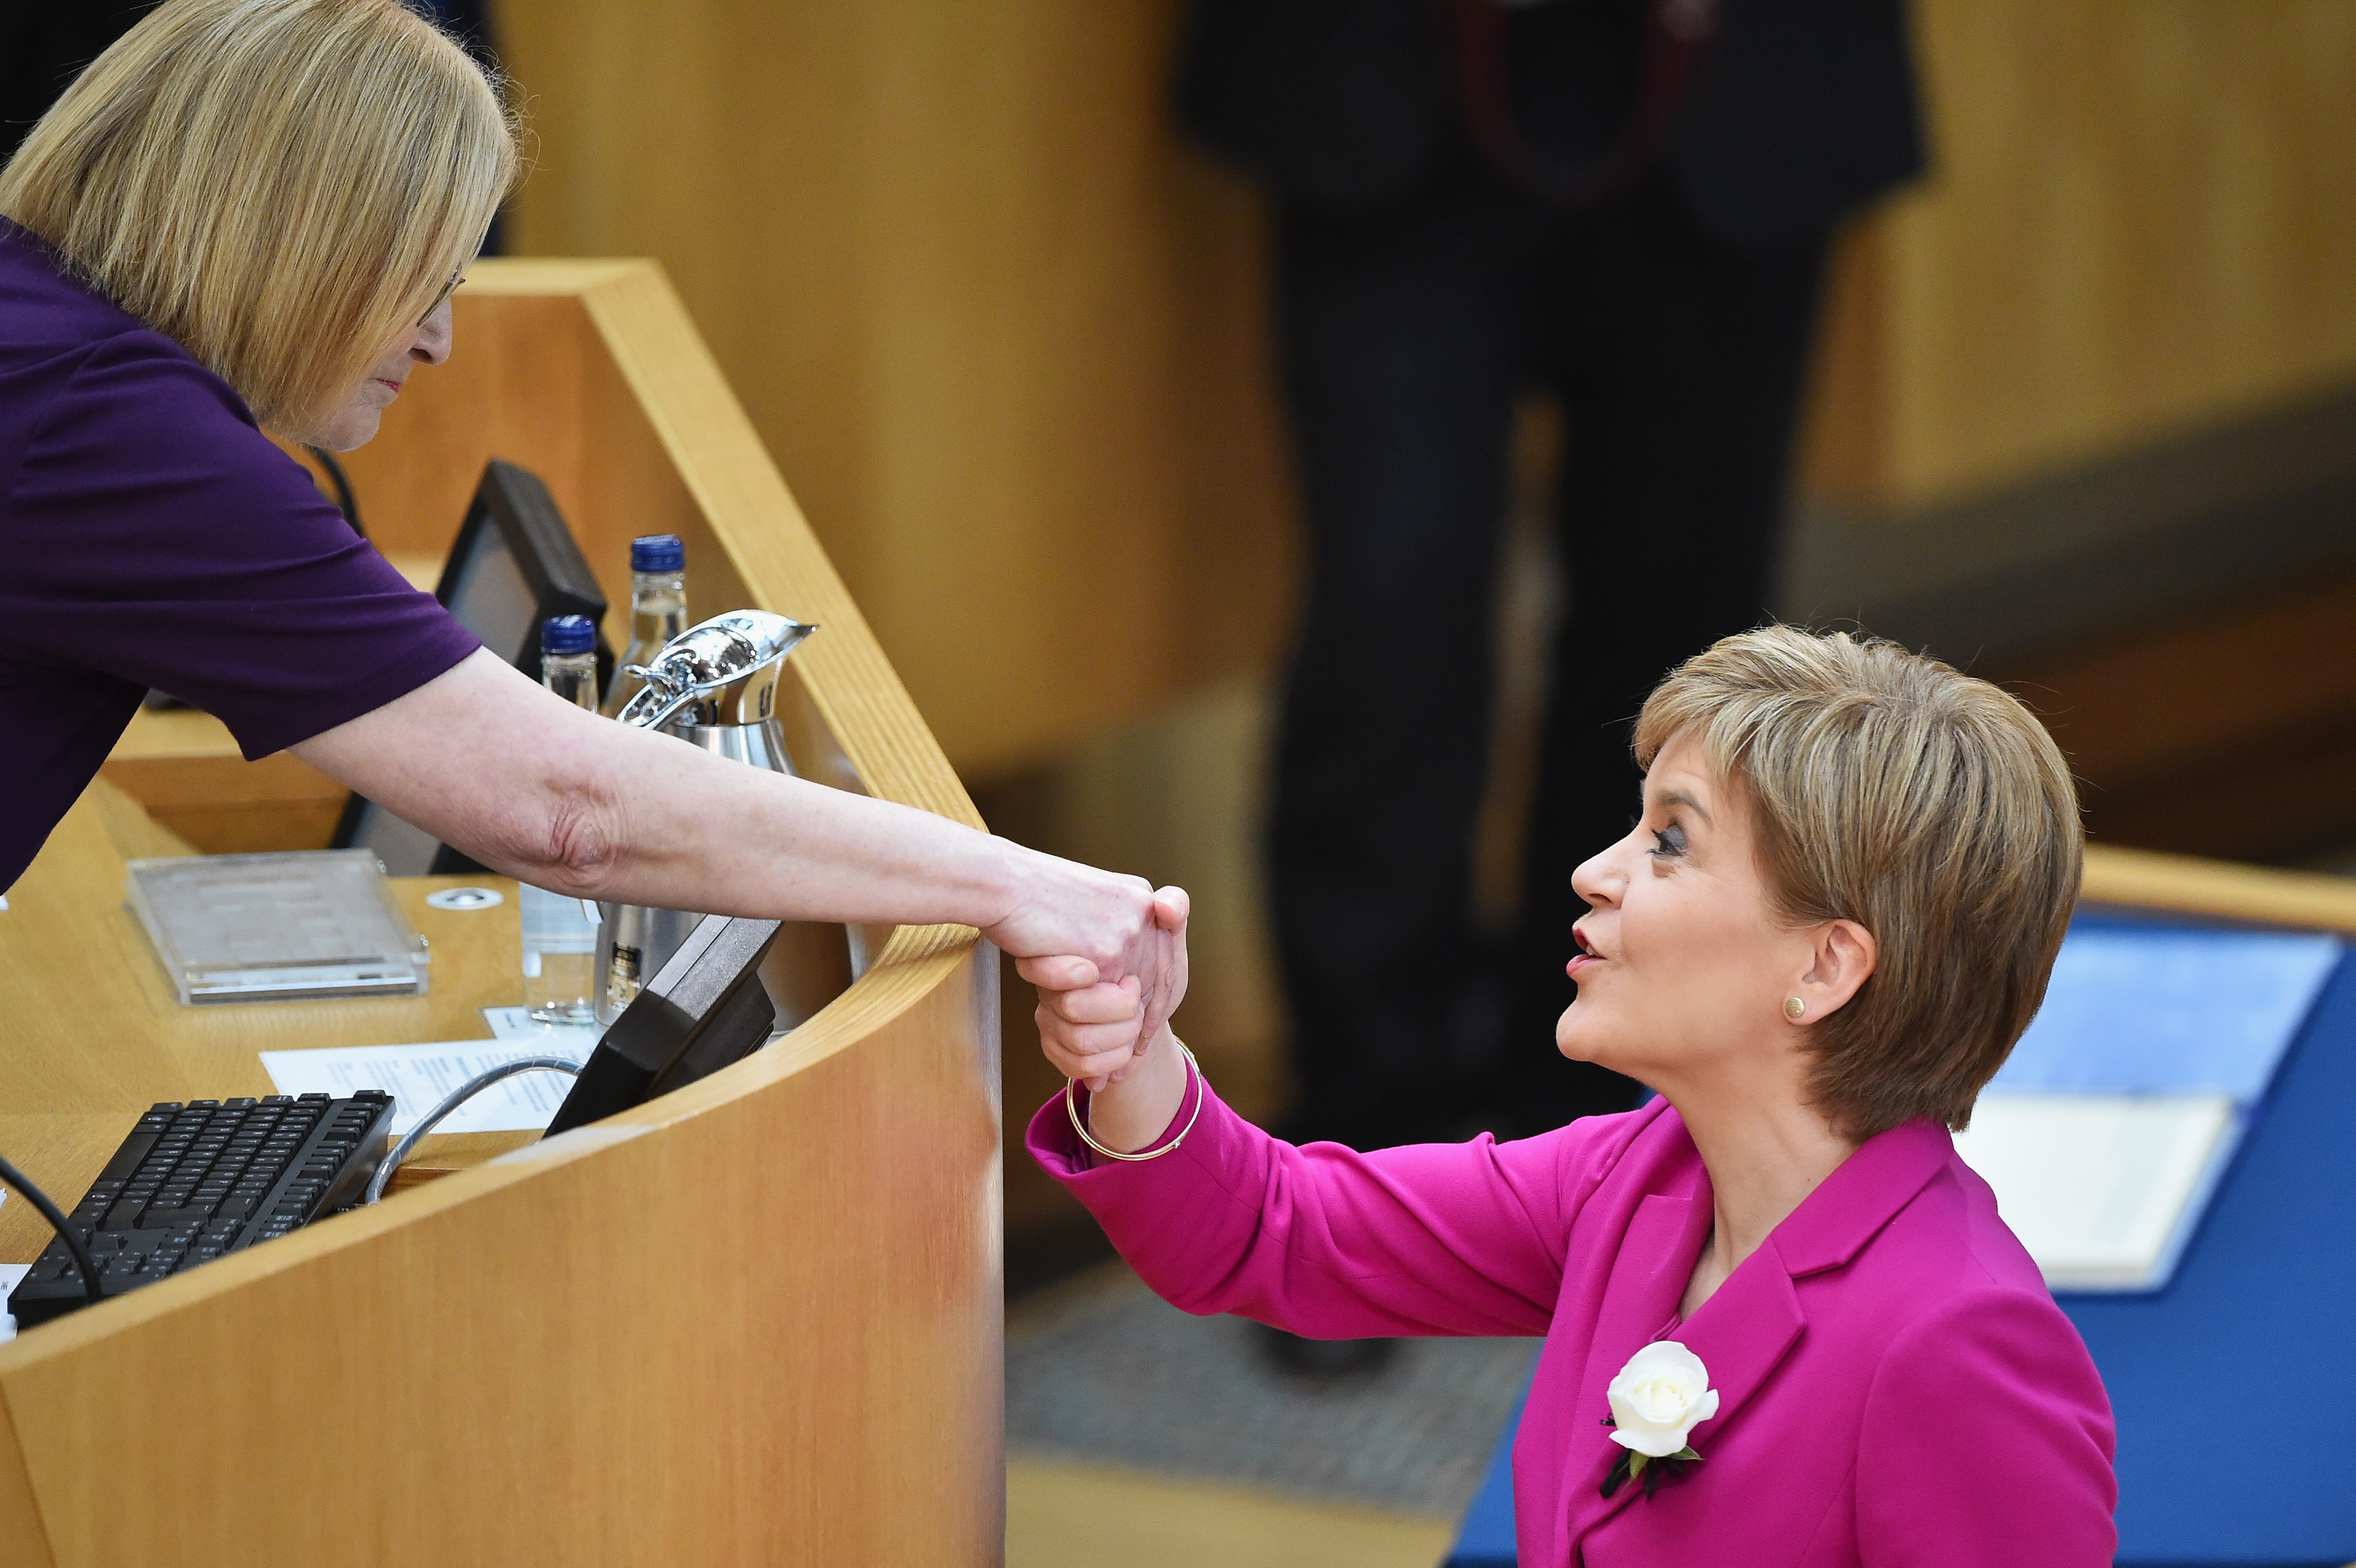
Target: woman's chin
(346, 430)
(1578, 1039)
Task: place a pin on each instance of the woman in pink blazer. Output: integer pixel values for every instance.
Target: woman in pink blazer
(1784, 1323)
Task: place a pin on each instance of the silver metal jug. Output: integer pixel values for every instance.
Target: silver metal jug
(714, 685)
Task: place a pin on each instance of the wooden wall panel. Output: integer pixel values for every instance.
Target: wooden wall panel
(2141, 220)
(22, 1542)
(1010, 336)
(1004, 333)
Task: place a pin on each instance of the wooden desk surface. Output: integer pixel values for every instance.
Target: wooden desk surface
(91, 1034)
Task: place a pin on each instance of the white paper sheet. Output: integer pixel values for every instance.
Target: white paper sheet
(11, 1274)
(517, 1023)
(419, 1076)
(2103, 1190)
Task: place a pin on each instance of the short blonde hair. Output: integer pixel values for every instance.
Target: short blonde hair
(1930, 807)
(282, 186)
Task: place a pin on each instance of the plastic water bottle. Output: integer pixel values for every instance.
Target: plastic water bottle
(559, 936)
(658, 609)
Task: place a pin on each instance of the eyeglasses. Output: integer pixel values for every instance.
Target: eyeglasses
(439, 300)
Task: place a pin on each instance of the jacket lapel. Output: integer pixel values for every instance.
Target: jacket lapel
(1852, 1204)
(1648, 1279)
(1743, 1332)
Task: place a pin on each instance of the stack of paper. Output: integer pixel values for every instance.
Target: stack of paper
(419, 1077)
(2117, 1114)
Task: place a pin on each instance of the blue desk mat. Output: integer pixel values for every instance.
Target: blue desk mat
(2135, 1007)
(2235, 1386)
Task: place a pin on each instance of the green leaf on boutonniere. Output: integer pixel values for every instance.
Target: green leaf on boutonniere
(1647, 1470)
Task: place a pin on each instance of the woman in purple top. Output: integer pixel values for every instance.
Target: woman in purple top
(250, 214)
(1784, 1322)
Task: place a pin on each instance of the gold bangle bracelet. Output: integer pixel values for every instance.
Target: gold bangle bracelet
(1202, 1093)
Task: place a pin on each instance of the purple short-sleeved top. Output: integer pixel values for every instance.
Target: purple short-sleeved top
(152, 536)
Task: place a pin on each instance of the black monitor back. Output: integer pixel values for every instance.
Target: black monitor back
(703, 1010)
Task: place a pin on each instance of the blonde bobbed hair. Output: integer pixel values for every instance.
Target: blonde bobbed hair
(283, 186)
(1930, 807)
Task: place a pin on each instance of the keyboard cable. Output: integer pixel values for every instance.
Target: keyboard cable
(452, 1100)
(68, 1232)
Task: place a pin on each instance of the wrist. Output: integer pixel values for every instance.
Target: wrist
(1137, 1111)
(997, 880)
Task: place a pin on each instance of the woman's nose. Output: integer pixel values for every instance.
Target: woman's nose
(1596, 881)
(433, 344)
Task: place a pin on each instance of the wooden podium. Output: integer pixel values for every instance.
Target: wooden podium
(756, 1321)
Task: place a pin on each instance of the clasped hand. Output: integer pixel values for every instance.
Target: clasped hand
(1105, 1033)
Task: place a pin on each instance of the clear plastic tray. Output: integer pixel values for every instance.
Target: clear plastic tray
(258, 928)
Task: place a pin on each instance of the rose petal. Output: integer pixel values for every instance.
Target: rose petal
(1652, 1445)
(1668, 1355)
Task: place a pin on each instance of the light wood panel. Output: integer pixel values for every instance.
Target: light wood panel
(1010, 336)
(2141, 220)
(1060, 1514)
(758, 1320)
(185, 767)
(1003, 331)
(2183, 884)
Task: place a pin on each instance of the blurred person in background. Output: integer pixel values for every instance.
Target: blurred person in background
(1623, 203)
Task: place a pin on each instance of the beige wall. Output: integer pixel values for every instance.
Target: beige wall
(1006, 338)
(2142, 220)
(1001, 334)
(1006, 341)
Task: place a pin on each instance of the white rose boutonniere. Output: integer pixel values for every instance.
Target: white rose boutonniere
(1656, 1401)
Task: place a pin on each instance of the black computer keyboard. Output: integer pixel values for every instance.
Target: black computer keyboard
(194, 1181)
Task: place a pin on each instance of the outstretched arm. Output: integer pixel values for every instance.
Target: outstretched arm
(1440, 1239)
(532, 786)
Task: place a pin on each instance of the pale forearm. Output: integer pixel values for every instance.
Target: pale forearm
(539, 789)
(695, 831)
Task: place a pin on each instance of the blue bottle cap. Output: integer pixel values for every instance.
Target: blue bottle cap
(657, 552)
(568, 635)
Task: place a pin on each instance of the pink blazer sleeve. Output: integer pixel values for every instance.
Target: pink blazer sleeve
(1330, 1243)
(1986, 1444)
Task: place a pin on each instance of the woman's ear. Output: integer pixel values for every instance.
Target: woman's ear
(1842, 954)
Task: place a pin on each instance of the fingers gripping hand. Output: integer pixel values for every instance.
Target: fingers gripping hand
(1166, 950)
(1095, 1030)
(1091, 1033)
(1065, 907)
(1061, 973)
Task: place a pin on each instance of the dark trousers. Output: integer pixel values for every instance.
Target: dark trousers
(1407, 338)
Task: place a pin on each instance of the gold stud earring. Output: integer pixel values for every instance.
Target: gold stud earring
(1793, 1007)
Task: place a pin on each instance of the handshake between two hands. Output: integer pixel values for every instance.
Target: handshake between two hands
(1103, 1031)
